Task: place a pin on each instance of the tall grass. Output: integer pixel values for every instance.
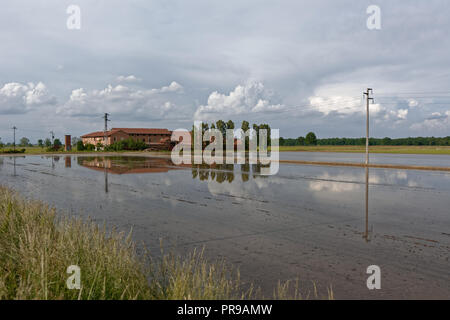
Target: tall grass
(37, 246)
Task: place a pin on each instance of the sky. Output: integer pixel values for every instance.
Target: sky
(299, 66)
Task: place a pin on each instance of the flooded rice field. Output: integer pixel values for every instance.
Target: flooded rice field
(306, 222)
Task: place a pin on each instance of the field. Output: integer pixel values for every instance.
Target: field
(372, 149)
(350, 149)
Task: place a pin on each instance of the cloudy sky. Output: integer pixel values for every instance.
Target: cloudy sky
(298, 65)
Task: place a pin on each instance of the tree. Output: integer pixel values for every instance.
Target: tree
(57, 144)
(80, 146)
(245, 126)
(47, 143)
(75, 141)
(24, 142)
(1, 144)
(311, 139)
(41, 143)
(386, 141)
(301, 141)
(260, 127)
(222, 127)
(230, 124)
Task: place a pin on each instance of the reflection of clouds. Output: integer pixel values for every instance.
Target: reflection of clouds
(334, 183)
(252, 188)
(347, 182)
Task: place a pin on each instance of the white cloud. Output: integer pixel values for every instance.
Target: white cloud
(130, 78)
(402, 114)
(438, 121)
(122, 100)
(413, 103)
(345, 106)
(342, 105)
(16, 98)
(173, 87)
(249, 98)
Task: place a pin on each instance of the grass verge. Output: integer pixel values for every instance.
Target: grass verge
(37, 246)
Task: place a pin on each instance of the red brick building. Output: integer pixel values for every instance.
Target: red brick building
(154, 138)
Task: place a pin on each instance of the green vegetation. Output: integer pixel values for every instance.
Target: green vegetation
(373, 149)
(418, 141)
(311, 139)
(128, 145)
(37, 247)
(14, 151)
(223, 126)
(25, 142)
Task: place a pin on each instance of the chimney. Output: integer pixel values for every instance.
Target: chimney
(68, 143)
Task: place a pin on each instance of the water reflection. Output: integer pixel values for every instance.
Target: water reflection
(366, 234)
(68, 162)
(127, 165)
(335, 192)
(226, 172)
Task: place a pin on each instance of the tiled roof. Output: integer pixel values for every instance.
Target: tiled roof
(128, 131)
(142, 130)
(94, 134)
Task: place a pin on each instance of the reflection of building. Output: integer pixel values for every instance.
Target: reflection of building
(127, 165)
(154, 138)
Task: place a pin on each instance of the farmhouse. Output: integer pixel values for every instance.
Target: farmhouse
(154, 138)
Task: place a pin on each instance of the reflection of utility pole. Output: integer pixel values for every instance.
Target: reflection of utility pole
(14, 162)
(368, 99)
(105, 130)
(106, 175)
(14, 144)
(366, 235)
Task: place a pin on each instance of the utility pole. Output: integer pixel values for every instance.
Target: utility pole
(14, 144)
(53, 137)
(368, 99)
(105, 138)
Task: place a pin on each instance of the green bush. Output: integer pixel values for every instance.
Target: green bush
(80, 146)
(128, 144)
(15, 151)
(89, 147)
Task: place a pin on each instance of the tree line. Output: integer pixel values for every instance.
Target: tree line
(311, 139)
(223, 126)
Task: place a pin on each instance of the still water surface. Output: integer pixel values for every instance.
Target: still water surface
(306, 222)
